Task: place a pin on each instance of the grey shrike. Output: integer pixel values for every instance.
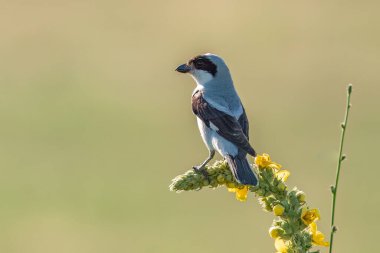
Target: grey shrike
(220, 115)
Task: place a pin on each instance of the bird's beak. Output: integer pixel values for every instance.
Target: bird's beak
(184, 68)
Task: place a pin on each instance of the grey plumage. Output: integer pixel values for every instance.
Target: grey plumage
(220, 115)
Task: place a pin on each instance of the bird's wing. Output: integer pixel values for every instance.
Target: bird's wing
(225, 125)
(243, 121)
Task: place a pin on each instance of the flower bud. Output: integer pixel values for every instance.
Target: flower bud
(282, 245)
(275, 232)
(220, 178)
(265, 204)
(214, 183)
(281, 186)
(205, 182)
(230, 185)
(301, 196)
(271, 199)
(349, 88)
(260, 192)
(278, 210)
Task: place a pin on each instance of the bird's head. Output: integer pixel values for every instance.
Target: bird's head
(205, 68)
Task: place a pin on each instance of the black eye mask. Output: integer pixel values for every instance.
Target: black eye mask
(203, 63)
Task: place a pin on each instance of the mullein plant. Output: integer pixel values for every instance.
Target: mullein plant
(294, 228)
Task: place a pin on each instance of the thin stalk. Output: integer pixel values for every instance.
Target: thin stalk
(334, 189)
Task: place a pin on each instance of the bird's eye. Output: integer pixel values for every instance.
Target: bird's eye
(199, 63)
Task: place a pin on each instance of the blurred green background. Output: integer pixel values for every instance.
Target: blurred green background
(95, 122)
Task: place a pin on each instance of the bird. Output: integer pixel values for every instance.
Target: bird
(221, 117)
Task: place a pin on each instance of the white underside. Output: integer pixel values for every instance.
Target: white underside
(216, 142)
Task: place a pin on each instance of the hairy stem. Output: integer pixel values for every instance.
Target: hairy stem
(334, 189)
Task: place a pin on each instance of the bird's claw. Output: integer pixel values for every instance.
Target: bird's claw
(201, 170)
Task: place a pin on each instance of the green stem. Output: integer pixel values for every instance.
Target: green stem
(334, 189)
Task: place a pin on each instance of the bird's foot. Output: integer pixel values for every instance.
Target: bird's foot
(201, 170)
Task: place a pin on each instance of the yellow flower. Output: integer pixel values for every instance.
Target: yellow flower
(309, 215)
(317, 236)
(264, 161)
(278, 210)
(282, 175)
(241, 194)
(281, 245)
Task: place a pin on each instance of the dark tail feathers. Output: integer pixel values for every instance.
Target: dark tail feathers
(241, 170)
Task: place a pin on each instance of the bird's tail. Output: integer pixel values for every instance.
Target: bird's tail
(241, 170)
